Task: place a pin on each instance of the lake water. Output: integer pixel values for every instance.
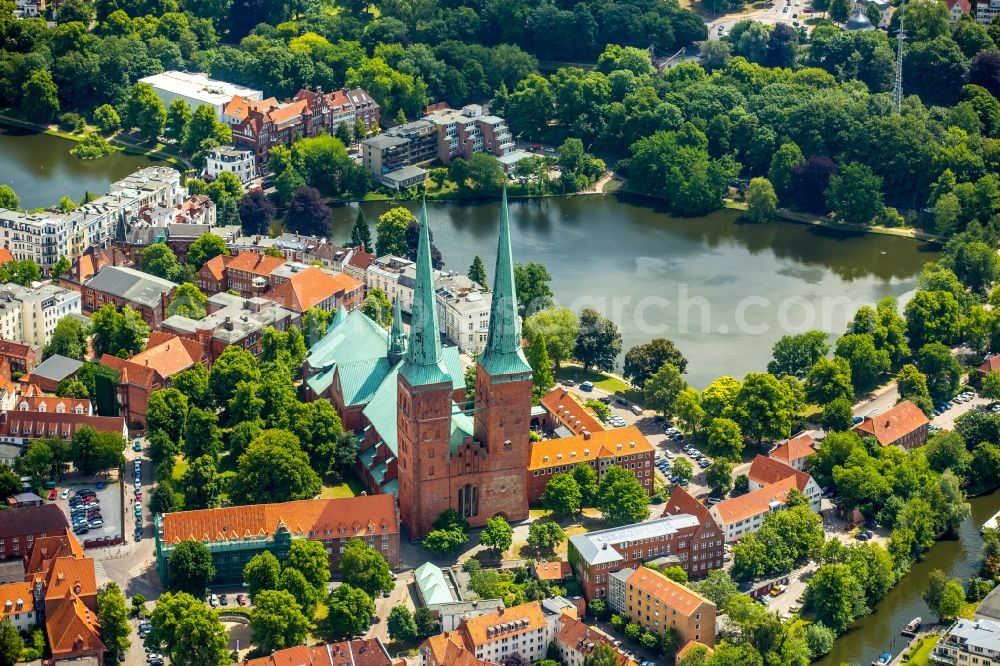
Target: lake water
(722, 290)
(41, 170)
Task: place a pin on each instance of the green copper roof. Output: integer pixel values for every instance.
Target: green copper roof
(462, 426)
(352, 337)
(433, 587)
(503, 354)
(422, 364)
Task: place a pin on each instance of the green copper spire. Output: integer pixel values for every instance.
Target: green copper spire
(423, 362)
(503, 354)
(397, 338)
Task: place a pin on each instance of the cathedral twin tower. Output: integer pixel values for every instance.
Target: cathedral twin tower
(472, 458)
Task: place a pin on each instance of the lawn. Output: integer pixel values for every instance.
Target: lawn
(349, 486)
(920, 655)
(602, 381)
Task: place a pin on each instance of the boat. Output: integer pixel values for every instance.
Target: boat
(883, 659)
(913, 627)
(992, 523)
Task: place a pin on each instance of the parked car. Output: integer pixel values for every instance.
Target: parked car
(223, 600)
(568, 382)
(241, 599)
(53, 494)
(213, 600)
(65, 493)
(100, 485)
(587, 386)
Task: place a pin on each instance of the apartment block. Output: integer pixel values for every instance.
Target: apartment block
(239, 161)
(30, 315)
(659, 604)
(196, 89)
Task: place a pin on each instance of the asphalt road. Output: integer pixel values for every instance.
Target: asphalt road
(772, 14)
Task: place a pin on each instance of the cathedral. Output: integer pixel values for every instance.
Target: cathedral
(405, 397)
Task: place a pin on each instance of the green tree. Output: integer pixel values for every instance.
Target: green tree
(931, 316)
(310, 559)
(360, 233)
(40, 97)
(208, 246)
(683, 469)
(942, 371)
(201, 484)
(159, 260)
(531, 285)
(92, 451)
(377, 307)
(178, 117)
(11, 643)
(193, 383)
(839, 10)
(364, 567)
(233, 366)
(350, 613)
(276, 621)
(820, 638)
(441, 541)
(166, 411)
(602, 655)
(560, 326)
(835, 597)
(22, 272)
(188, 301)
(390, 231)
(401, 625)
(538, 359)
(262, 572)
(190, 631)
(621, 498)
(724, 438)
(991, 385)
(477, 272)
(204, 131)
(497, 534)
(855, 194)
(8, 198)
(719, 477)
(306, 596)
(828, 380)
(59, 268)
(762, 202)
(868, 364)
(688, 410)
(766, 407)
(598, 343)
(912, 385)
(144, 111)
(780, 171)
(718, 587)
(202, 435)
(113, 616)
(838, 415)
(68, 339)
(274, 468)
(586, 478)
(661, 390)
(562, 495)
(107, 119)
(189, 568)
(643, 361)
(544, 536)
(796, 354)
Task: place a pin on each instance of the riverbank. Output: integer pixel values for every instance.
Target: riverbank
(124, 142)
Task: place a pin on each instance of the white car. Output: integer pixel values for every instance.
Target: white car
(213, 600)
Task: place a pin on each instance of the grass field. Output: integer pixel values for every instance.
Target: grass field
(920, 656)
(349, 486)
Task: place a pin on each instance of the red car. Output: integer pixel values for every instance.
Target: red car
(241, 599)
(53, 494)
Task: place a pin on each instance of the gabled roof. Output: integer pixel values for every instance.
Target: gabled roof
(48, 549)
(72, 628)
(5, 256)
(357, 516)
(448, 649)
(798, 447)
(552, 570)
(599, 547)
(895, 423)
(578, 636)
(582, 448)
(566, 409)
(56, 368)
(683, 502)
(690, 646)
(70, 576)
(132, 373)
(477, 630)
(169, 354)
(753, 503)
(34, 399)
(671, 594)
(767, 471)
(130, 285)
(257, 263)
(310, 287)
(434, 589)
(965, 5)
(358, 652)
(34, 425)
(16, 598)
(215, 267)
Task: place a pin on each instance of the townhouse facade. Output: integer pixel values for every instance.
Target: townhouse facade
(20, 427)
(795, 452)
(739, 516)
(239, 161)
(30, 314)
(21, 358)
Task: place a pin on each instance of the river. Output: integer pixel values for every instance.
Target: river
(722, 290)
(879, 632)
(41, 170)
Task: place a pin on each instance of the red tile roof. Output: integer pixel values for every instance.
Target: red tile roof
(679, 598)
(579, 637)
(690, 646)
(683, 502)
(563, 407)
(14, 349)
(216, 266)
(311, 287)
(16, 598)
(358, 516)
(800, 446)
(895, 423)
(5, 256)
(359, 652)
(255, 263)
(735, 509)
(46, 550)
(964, 4)
(768, 471)
(447, 649)
(33, 399)
(34, 425)
(169, 354)
(991, 364)
(552, 570)
(581, 448)
(72, 628)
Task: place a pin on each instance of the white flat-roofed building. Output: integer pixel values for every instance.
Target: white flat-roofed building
(42, 237)
(196, 89)
(969, 643)
(29, 315)
(240, 161)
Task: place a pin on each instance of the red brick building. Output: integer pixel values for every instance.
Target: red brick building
(903, 425)
(22, 358)
(20, 428)
(20, 528)
(627, 448)
(120, 286)
(248, 273)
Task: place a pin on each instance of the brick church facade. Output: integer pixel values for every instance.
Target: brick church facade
(418, 439)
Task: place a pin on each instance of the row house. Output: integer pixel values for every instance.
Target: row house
(247, 273)
(260, 125)
(21, 358)
(232, 321)
(626, 448)
(20, 427)
(235, 534)
(692, 544)
(178, 236)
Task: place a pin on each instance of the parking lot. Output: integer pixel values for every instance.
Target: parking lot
(108, 503)
(946, 419)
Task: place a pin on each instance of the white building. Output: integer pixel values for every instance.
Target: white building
(17, 604)
(29, 315)
(766, 471)
(463, 307)
(969, 643)
(739, 516)
(196, 89)
(986, 10)
(240, 161)
(42, 237)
